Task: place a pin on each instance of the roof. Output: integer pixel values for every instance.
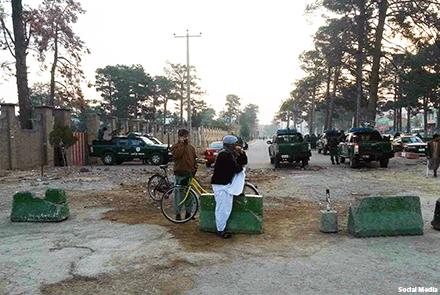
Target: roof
(332, 132)
(287, 131)
(363, 129)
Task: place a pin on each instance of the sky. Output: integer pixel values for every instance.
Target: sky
(248, 48)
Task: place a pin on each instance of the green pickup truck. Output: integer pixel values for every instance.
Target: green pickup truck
(127, 148)
(288, 145)
(367, 145)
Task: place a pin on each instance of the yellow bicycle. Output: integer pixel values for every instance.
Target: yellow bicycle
(181, 203)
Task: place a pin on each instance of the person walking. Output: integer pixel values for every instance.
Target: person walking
(185, 167)
(434, 154)
(333, 143)
(227, 181)
(313, 140)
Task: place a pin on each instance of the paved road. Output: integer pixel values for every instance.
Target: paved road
(258, 156)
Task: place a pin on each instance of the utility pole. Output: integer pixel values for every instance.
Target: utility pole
(188, 80)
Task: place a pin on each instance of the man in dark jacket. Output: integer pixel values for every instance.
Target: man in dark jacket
(333, 142)
(185, 167)
(227, 181)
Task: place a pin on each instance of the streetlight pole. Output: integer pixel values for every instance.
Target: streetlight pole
(188, 79)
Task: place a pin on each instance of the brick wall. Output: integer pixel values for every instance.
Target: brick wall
(4, 153)
(25, 148)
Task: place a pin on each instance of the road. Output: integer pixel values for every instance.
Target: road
(258, 156)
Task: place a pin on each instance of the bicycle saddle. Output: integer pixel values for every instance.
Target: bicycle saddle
(163, 166)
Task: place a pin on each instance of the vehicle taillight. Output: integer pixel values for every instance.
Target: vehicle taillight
(356, 149)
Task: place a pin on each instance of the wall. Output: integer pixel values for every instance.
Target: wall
(25, 148)
(200, 137)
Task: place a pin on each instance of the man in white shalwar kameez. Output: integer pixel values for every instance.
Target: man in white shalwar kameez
(228, 180)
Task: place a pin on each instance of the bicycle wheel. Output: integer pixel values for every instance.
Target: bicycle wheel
(179, 204)
(157, 186)
(250, 189)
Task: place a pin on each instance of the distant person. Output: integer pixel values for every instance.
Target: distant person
(342, 136)
(185, 167)
(397, 135)
(107, 134)
(227, 181)
(101, 133)
(313, 141)
(434, 154)
(333, 143)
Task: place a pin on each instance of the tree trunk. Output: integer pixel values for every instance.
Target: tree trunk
(408, 122)
(425, 116)
(327, 97)
(165, 102)
(333, 97)
(110, 97)
(399, 119)
(312, 112)
(53, 71)
(361, 21)
(20, 65)
(377, 54)
(437, 126)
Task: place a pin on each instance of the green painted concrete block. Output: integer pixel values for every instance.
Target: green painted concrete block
(246, 216)
(329, 221)
(56, 195)
(28, 208)
(385, 216)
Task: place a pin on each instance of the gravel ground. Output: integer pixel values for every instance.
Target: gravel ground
(117, 242)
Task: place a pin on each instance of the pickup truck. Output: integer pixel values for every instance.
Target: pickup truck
(127, 148)
(367, 145)
(288, 145)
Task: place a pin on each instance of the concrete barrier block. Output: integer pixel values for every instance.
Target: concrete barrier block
(28, 208)
(55, 195)
(436, 221)
(385, 216)
(246, 216)
(329, 221)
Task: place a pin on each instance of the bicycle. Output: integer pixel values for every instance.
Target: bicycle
(158, 184)
(187, 197)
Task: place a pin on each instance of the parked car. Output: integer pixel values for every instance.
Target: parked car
(367, 145)
(288, 145)
(127, 148)
(410, 143)
(212, 151)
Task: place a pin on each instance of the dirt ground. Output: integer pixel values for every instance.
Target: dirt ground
(118, 242)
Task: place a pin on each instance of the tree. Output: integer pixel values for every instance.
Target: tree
(202, 114)
(18, 43)
(39, 94)
(62, 137)
(249, 121)
(178, 74)
(126, 90)
(54, 35)
(163, 92)
(232, 111)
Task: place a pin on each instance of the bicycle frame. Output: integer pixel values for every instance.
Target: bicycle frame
(196, 187)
